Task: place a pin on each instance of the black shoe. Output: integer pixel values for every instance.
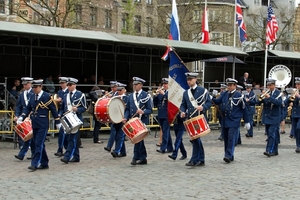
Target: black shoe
(297, 150)
(160, 151)
(29, 158)
(121, 155)
(18, 157)
(220, 138)
(158, 144)
(64, 160)
(142, 162)
(80, 146)
(32, 168)
(274, 154)
(266, 140)
(133, 162)
(59, 154)
(182, 158)
(169, 151)
(282, 132)
(247, 135)
(172, 157)
(200, 163)
(98, 142)
(227, 160)
(267, 154)
(190, 164)
(43, 167)
(291, 136)
(114, 154)
(74, 160)
(125, 139)
(107, 149)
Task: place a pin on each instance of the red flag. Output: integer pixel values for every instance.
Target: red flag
(272, 27)
(205, 29)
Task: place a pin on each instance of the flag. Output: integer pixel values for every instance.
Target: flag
(174, 29)
(177, 85)
(205, 29)
(272, 27)
(240, 22)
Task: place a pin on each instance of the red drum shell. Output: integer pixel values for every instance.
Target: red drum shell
(24, 130)
(196, 127)
(135, 130)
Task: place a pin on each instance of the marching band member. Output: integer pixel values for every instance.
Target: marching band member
(112, 135)
(39, 105)
(223, 88)
(140, 104)
(62, 142)
(95, 94)
(22, 102)
(284, 112)
(250, 99)
(239, 88)
(120, 150)
(195, 98)
(160, 100)
(272, 102)
(295, 117)
(74, 101)
(233, 109)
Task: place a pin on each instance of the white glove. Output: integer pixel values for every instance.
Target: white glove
(211, 97)
(247, 126)
(20, 120)
(215, 93)
(58, 126)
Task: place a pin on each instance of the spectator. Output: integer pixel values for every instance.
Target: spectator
(243, 80)
(101, 81)
(50, 84)
(95, 93)
(15, 89)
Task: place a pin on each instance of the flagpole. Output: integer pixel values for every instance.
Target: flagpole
(266, 56)
(234, 39)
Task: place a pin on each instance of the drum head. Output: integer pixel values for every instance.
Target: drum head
(116, 110)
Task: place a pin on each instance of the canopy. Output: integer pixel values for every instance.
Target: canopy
(226, 59)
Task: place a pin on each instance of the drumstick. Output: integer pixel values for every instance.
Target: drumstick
(121, 112)
(196, 110)
(136, 112)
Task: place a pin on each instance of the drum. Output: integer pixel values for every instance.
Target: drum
(24, 130)
(135, 130)
(196, 127)
(109, 110)
(70, 122)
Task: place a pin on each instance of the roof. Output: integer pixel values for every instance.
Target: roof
(86, 35)
(280, 54)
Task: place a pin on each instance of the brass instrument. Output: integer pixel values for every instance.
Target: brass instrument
(55, 101)
(293, 96)
(157, 91)
(262, 96)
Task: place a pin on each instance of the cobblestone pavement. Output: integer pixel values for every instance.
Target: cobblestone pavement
(100, 176)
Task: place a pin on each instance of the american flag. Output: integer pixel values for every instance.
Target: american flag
(272, 27)
(240, 22)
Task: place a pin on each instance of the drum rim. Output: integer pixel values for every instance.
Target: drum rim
(107, 109)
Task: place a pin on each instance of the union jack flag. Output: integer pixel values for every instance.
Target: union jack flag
(272, 27)
(240, 22)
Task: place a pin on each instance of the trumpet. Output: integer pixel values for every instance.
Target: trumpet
(157, 91)
(293, 96)
(262, 96)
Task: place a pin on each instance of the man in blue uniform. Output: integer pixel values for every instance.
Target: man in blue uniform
(161, 102)
(139, 105)
(295, 116)
(112, 135)
(39, 105)
(195, 99)
(75, 102)
(22, 102)
(250, 99)
(272, 102)
(233, 109)
(62, 142)
(120, 150)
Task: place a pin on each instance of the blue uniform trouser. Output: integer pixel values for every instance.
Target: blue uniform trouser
(238, 137)
(112, 136)
(25, 147)
(179, 144)
(62, 142)
(230, 138)
(296, 121)
(295, 125)
(221, 129)
(40, 154)
(21, 142)
(139, 151)
(250, 131)
(120, 136)
(97, 127)
(198, 151)
(166, 137)
(72, 150)
(273, 132)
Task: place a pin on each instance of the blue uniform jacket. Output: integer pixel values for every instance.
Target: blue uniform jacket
(295, 107)
(178, 123)
(187, 107)
(161, 102)
(272, 108)
(233, 110)
(78, 100)
(145, 104)
(61, 93)
(251, 103)
(40, 111)
(21, 104)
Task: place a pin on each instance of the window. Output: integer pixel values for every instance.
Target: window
(137, 23)
(196, 37)
(226, 39)
(197, 16)
(149, 26)
(215, 38)
(108, 19)
(214, 15)
(168, 18)
(149, 2)
(257, 2)
(124, 21)
(137, 1)
(228, 16)
(93, 16)
(2, 6)
(78, 13)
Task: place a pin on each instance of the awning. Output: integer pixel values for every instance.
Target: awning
(277, 54)
(226, 59)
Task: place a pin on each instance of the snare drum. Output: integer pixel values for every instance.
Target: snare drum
(24, 130)
(70, 122)
(196, 127)
(109, 110)
(135, 130)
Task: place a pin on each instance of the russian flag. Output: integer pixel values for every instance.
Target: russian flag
(205, 29)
